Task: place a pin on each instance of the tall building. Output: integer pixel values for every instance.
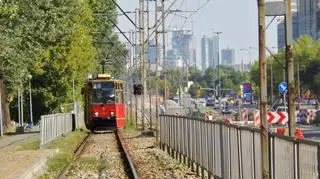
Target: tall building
(152, 53)
(305, 19)
(209, 52)
(227, 56)
(181, 48)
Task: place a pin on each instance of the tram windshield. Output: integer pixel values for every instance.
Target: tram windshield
(103, 93)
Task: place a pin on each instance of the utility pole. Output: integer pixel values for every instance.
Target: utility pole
(219, 84)
(137, 58)
(149, 63)
(290, 69)
(131, 74)
(142, 55)
(263, 90)
(21, 95)
(30, 99)
(299, 87)
(271, 83)
(1, 113)
(164, 51)
(157, 62)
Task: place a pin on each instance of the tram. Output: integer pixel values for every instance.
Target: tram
(103, 102)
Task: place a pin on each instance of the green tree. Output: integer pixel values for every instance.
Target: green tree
(57, 42)
(195, 74)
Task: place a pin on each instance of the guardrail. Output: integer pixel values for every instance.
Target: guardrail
(52, 126)
(231, 152)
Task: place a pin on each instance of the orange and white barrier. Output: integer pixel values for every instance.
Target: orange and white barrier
(272, 117)
(256, 117)
(245, 115)
(312, 114)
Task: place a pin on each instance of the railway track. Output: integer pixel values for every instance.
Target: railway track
(100, 155)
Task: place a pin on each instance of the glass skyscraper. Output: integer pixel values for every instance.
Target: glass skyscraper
(209, 52)
(306, 21)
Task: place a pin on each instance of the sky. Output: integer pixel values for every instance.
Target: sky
(236, 19)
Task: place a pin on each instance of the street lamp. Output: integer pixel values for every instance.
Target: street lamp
(30, 98)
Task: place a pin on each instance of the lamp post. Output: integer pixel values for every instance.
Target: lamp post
(30, 98)
(1, 116)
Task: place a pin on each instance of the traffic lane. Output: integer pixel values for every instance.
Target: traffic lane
(310, 131)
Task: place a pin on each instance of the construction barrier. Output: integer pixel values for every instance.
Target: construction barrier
(245, 115)
(272, 117)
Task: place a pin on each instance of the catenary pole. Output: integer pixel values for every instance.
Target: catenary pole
(149, 63)
(142, 56)
(263, 90)
(157, 62)
(290, 69)
(164, 50)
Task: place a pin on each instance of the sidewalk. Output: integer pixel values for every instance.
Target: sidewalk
(21, 164)
(12, 139)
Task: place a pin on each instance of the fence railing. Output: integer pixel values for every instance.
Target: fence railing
(52, 126)
(232, 152)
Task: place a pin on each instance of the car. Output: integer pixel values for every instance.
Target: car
(201, 102)
(226, 110)
(216, 106)
(210, 102)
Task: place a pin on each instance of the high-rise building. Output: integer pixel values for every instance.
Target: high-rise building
(181, 47)
(209, 52)
(227, 56)
(152, 53)
(305, 19)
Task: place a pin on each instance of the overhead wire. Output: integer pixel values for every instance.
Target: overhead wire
(196, 11)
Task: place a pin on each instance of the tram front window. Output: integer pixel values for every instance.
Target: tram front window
(103, 93)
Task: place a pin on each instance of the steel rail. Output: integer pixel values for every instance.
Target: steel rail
(127, 157)
(76, 154)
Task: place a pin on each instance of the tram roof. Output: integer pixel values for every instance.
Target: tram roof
(105, 80)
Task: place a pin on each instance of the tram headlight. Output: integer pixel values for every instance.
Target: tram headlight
(96, 114)
(112, 114)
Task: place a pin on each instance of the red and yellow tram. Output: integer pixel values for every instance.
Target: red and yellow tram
(104, 103)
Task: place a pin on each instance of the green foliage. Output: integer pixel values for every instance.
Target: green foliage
(29, 145)
(193, 89)
(195, 74)
(306, 54)
(229, 79)
(58, 43)
(66, 146)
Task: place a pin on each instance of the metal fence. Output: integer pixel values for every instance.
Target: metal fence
(52, 126)
(234, 152)
(79, 115)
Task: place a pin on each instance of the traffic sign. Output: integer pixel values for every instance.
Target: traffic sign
(282, 87)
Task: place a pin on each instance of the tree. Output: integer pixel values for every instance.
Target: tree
(57, 42)
(195, 74)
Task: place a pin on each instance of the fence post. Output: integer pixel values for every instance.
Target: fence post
(221, 150)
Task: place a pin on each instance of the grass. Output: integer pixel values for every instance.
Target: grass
(88, 163)
(66, 146)
(30, 145)
(130, 124)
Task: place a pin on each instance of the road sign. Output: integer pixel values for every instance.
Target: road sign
(282, 87)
